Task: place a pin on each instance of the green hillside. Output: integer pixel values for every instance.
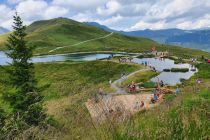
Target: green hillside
(67, 87)
(49, 34)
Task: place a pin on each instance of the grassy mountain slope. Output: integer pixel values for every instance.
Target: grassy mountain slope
(49, 34)
(68, 85)
(198, 39)
(3, 38)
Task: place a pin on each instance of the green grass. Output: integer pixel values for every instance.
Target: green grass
(3, 39)
(68, 85)
(141, 77)
(184, 116)
(177, 60)
(204, 71)
(149, 85)
(69, 78)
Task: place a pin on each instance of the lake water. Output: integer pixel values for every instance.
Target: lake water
(170, 78)
(63, 57)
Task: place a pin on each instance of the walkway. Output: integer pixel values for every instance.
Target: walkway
(120, 104)
(115, 84)
(82, 42)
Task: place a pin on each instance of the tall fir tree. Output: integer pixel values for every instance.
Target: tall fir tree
(23, 97)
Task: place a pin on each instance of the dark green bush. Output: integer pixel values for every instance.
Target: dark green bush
(179, 70)
(146, 56)
(166, 70)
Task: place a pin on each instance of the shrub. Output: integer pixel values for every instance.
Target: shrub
(166, 70)
(146, 56)
(149, 85)
(179, 69)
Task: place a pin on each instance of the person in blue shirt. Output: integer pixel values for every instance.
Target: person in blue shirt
(155, 97)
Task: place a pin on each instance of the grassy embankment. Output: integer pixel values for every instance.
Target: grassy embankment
(142, 78)
(68, 85)
(184, 116)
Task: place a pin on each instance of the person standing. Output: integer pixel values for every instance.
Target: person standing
(110, 81)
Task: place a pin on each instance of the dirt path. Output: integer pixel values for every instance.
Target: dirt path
(119, 107)
(120, 104)
(82, 42)
(119, 90)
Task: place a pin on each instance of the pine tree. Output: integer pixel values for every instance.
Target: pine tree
(23, 97)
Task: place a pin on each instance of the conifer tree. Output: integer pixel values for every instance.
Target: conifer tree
(23, 97)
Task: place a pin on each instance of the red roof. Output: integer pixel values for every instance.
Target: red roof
(208, 60)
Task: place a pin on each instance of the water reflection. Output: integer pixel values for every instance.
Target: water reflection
(170, 78)
(63, 57)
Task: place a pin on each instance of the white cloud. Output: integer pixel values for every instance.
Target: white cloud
(202, 22)
(185, 14)
(110, 8)
(79, 4)
(55, 11)
(118, 14)
(184, 25)
(83, 17)
(31, 9)
(112, 20)
(6, 16)
(146, 25)
(7, 23)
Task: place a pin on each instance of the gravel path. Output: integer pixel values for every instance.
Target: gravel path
(119, 90)
(82, 42)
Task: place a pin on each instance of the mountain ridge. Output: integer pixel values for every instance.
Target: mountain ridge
(171, 36)
(64, 33)
(47, 35)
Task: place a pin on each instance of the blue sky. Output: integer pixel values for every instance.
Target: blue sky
(117, 14)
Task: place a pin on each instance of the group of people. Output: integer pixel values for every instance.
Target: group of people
(139, 105)
(110, 57)
(160, 54)
(156, 95)
(193, 60)
(132, 87)
(124, 60)
(145, 63)
(192, 68)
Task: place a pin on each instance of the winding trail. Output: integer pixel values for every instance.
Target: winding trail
(82, 42)
(109, 105)
(119, 90)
